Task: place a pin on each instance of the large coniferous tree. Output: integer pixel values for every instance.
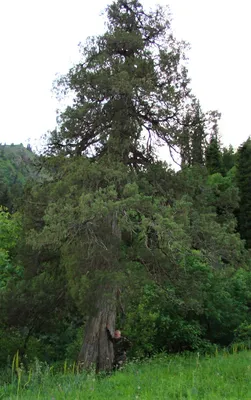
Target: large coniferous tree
(130, 89)
(104, 218)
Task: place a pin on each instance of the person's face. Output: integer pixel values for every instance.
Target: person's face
(117, 334)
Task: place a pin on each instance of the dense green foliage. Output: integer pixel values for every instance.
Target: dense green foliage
(9, 234)
(106, 214)
(244, 184)
(16, 167)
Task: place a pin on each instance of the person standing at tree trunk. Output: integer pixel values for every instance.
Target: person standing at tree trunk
(121, 345)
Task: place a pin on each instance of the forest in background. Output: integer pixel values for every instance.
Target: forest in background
(98, 230)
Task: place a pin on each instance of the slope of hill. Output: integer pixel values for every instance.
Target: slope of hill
(16, 167)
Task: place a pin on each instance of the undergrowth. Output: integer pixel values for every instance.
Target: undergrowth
(219, 376)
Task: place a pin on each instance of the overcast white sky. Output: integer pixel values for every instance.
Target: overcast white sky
(39, 39)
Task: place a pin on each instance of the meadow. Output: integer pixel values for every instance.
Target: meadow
(221, 376)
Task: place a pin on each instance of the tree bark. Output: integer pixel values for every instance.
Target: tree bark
(97, 350)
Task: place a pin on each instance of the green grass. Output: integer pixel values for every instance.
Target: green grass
(225, 376)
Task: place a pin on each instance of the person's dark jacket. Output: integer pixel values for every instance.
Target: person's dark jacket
(121, 345)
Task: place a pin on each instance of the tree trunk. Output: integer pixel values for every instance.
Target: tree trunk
(97, 350)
